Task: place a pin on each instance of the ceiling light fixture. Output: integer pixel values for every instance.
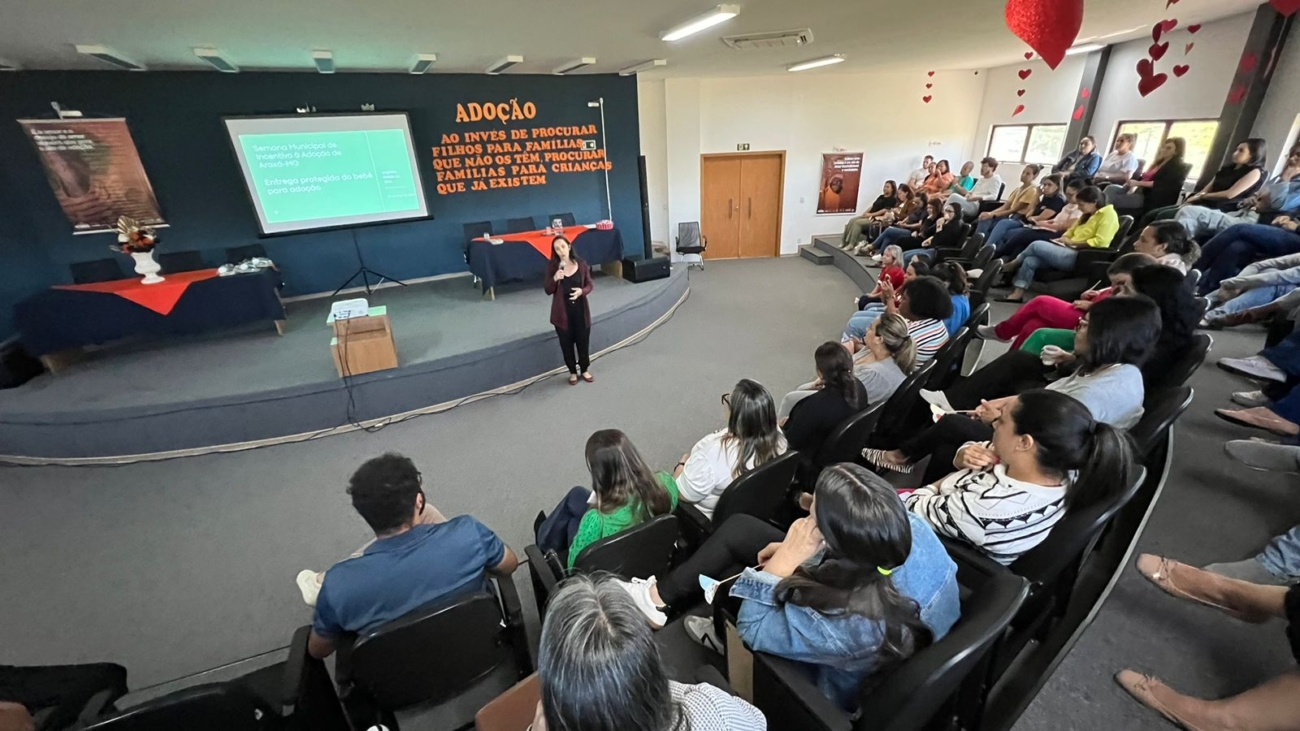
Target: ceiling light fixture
(643, 66)
(109, 56)
(1086, 48)
(503, 64)
(324, 61)
(422, 62)
(571, 66)
(214, 59)
(720, 14)
(816, 63)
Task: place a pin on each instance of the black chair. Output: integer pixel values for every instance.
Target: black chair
(295, 695)
(1068, 285)
(1182, 368)
(987, 205)
(237, 254)
(173, 262)
(690, 242)
(639, 552)
(983, 257)
(979, 291)
(967, 251)
(439, 664)
(940, 687)
(475, 230)
(1161, 410)
(761, 492)
(846, 442)
(947, 362)
(893, 420)
(519, 225)
(566, 219)
(1193, 278)
(99, 270)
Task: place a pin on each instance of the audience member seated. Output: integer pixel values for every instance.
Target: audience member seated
(1046, 456)
(1275, 704)
(1019, 204)
(752, 438)
(853, 589)
(1095, 230)
(812, 412)
(599, 669)
(1278, 368)
(1120, 165)
(944, 233)
(962, 184)
(853, 229)
(1228, 253)
(59, 693)
(1081, 163)
(1282, 193)
(1235, 182)
(911, 224)
(1158, 186)
(940, 180)
(624, 493)
(412, 561)
(1261, 289)
(1051, 313)
(892, 273)
(908, 203)
(918, 176)
(887, 357)
(954, 276)
(1169, 289)
(871, 305)
(1050, 203)
(924, 303)
(986, 188)
(1111, 343)
(1169, 244)
(1045, 228)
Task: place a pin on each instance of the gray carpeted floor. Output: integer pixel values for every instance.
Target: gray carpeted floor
(175, 567)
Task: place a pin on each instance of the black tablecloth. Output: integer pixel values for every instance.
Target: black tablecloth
(60, 319)
(516, 260)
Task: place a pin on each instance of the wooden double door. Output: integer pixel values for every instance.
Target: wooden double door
(740, 204)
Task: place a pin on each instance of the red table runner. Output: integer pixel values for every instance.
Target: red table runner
(160, 297)
(540, 240)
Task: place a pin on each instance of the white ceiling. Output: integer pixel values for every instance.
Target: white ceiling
(384, 35)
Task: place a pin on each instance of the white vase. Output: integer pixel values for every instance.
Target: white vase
(146, 267)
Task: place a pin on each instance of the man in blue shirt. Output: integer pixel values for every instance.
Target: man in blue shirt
(410, 564)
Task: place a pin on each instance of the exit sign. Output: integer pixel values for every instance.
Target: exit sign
(742, 147)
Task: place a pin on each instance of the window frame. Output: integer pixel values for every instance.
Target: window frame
(1169, 124)
(1024, 147)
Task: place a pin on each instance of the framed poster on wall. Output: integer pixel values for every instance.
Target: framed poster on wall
(841, 174)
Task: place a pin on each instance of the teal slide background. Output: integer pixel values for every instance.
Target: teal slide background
(364, 173)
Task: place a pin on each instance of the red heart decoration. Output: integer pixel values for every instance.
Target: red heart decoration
(1248, 63)
(1157, 50)
(1019, 108)
(1149, 81)
(929, 86)
(1020, 92)
(1237, 95)
(1286, 7)
(1193, 28)
(1169, 25)
(930, 73)
(1078, 113)
(1029, 55)
(1084, 93)
(1048, 26)
(1170, 4)
(926, 98)
(1189, 48)
(1181, 69)
(1163, 27)
(1026, 73)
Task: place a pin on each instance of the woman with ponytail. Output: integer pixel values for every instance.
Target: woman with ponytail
(1047, 456)
(816, 409)
(853, 589)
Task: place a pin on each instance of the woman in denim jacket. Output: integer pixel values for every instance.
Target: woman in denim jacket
(853, 589)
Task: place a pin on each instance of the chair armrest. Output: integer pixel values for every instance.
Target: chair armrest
(295, 667)
(1088, 257)
(973, 566)
(512, 611)
(693, 524)
(540, 569)
(792, 678)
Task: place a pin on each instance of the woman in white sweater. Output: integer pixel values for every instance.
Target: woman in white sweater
(1047, 456)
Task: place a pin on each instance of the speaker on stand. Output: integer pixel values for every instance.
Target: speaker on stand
(648, 267)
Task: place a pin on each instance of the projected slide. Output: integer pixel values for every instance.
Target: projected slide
(307, 173)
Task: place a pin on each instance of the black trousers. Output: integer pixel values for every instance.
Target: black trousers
(732, 548)
(941, 442)
(575, 343)
(64, 688)
(1008, 375)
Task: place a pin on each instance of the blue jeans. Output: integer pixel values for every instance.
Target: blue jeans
(1003, 228)
(1017, 241)
(1282, 555)
(1228, 253)
(1043, 255)
(1250, 299)
(889, 236)
(1285, 355)
(911, 254)
(860, 322)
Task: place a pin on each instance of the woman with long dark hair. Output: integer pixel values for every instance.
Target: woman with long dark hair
(624, 493)
(1047, 456)
(1235, 182)
(568, 281)
(1173, 294)
(751, 438)
(853, 589)
(814, 410)
(1158, 186)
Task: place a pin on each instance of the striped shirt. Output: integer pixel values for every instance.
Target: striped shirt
(712, 709)
(1001, 516)
(929, 336)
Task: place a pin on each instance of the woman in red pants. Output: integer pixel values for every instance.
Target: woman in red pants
(1050, 312)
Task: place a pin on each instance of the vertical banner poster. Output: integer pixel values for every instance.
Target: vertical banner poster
(841, 174)
(95, 172)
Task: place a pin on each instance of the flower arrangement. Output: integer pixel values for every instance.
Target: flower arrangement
(133, 238)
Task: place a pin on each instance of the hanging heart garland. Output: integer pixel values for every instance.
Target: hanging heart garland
(1050, 27)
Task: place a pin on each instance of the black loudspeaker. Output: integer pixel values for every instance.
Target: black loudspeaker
(17, 367)
(645, 207)
(646, 270)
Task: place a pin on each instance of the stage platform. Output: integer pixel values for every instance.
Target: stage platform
(249, 387)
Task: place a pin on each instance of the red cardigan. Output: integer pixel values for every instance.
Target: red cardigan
(559, 297)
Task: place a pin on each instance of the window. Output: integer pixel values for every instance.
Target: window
(1026, 143)
(1199, 134)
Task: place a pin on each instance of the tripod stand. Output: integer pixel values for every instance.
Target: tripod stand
(365, 273)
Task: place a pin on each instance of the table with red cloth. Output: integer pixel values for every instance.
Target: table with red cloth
(524, 255)
(67, 317)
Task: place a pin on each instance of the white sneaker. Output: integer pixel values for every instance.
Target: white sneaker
(877, 258)
(937, 398)
(309, 585)
(1250, 399)
(1255, 366)
(989, 332)
(701, 630)
(639, 590)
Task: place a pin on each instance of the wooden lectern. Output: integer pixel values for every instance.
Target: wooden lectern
(363, 344)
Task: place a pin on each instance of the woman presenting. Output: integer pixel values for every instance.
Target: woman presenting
(568, 282)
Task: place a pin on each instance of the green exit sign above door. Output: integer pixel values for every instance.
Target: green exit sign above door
(742, 147)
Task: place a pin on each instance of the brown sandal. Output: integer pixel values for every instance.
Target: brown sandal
(1140, 687)
(1159, 571)
(573, 380)
(588, 377)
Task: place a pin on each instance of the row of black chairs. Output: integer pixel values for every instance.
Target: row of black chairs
(476, 229)
(172, 262)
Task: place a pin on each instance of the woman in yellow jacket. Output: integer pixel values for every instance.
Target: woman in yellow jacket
(1095, 230)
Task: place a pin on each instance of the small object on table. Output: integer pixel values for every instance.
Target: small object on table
(363, 344)
(138, 242)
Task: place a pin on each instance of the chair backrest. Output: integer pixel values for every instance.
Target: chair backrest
(208, 707)
(894, 413)
(1125, 223)
(519, 225)
(475, 230)
(429, 655)
(236, 254)
(1193, 279)
(846, 442)
(1188, 361)
(977, 315)
(181, 261)
(947, 362)
(760, 492)
(689, 238)
(973, 245)
(1162, 410)
(983, 256)
(99, 270)
(566, 219)
(910, 695)
(641, 551)
(980, 290)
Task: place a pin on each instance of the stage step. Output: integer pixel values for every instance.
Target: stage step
(816, 256)
(828, 244)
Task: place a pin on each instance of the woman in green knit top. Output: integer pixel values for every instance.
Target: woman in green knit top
(624, 493)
